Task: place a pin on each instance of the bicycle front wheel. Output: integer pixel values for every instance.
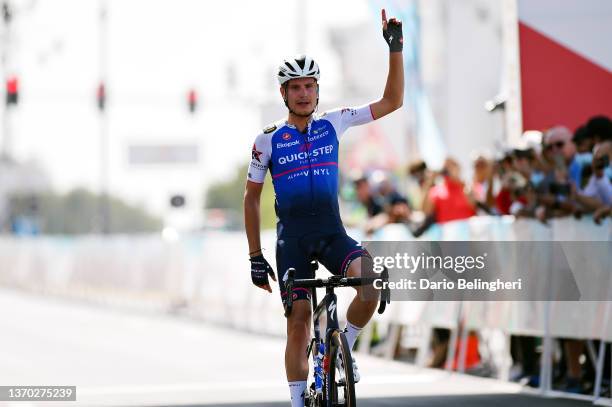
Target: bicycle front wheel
(340, 384)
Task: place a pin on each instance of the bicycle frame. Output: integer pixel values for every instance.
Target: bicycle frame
(328, 305)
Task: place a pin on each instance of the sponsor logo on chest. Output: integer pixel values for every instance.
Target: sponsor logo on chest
(305, 155)
(289, 144)
(315, 172)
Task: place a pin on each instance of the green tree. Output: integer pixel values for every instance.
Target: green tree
(77, 212)
(229, 195)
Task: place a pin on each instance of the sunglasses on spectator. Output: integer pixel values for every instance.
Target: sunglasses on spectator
(558, 144)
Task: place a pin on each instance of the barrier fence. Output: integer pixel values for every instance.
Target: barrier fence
(207, 276)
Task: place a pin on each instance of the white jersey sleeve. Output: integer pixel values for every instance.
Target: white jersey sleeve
(344, 118)
(260, 158)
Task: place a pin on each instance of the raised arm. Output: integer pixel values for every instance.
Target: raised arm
(393, 96)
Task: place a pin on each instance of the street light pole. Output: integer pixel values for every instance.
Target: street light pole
(104, 206)
(7, 16)
(301, 25)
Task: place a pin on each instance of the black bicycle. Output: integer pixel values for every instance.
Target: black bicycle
(333, 383)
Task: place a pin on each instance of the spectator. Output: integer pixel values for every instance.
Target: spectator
(419, 185)
(600, 128)
(418, 171)
(447, 201)
(559, 141)
(584, 153)
(525, 197)
(512, 195)
(482, 186)
(584, 140)
(523, 352)
(598, 191)
(366, 197)
(385, 190)
(563, 173)
(515, 171)
(398, 211)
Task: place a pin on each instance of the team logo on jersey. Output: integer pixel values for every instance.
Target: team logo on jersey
(258, 166)
(255, 154)
(318, 136)
(316, 131)
(353, 112)
(286, 136)
(270, 129)
(304, 155)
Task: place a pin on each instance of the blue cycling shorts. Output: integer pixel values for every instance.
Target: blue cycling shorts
(334, 250)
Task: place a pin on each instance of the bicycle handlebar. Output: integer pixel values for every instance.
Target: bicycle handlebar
(335, 281)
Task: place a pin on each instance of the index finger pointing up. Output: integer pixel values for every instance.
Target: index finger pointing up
(384, 18)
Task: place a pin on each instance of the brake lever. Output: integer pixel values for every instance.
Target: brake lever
(385, 294)
(289, 291)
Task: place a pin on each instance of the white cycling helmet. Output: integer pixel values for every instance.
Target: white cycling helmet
(301, 66)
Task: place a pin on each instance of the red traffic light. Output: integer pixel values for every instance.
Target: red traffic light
(12, 90)
(192, 100)
(101, 96)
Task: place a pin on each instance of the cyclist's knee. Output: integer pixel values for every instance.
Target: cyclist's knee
(354, 269)
(367, 293)
(361, 267)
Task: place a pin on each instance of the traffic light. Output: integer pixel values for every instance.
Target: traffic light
(192, 100)
(12, 91)
(101, 96)
(7, 14)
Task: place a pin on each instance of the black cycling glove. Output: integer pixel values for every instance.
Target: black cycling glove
(393, 35)
(260, 268)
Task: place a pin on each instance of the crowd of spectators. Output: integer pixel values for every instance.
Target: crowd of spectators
(546, 175)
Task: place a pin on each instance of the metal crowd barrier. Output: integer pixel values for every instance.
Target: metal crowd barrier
(193, 274)
(568, 319)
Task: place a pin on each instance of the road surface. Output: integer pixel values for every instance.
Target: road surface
(127, 358)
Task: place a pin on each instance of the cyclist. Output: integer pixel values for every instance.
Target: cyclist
(301, 153)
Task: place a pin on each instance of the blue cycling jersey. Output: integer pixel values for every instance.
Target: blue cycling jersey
(304, 167)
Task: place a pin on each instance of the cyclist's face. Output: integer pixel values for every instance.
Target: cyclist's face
(301, 95)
